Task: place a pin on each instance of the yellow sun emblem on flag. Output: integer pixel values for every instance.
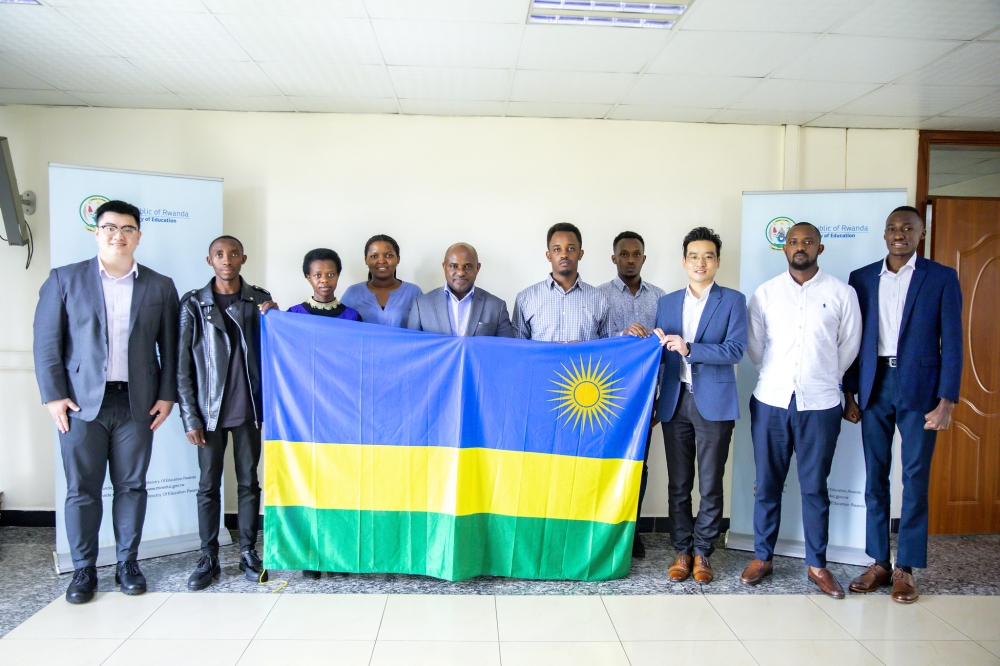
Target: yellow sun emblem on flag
(587, 394)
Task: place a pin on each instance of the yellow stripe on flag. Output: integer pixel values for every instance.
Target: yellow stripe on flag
(450, 480)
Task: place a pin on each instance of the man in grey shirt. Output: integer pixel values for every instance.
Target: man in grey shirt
(562, 307)
(632, 303)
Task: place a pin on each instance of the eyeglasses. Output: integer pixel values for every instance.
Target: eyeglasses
(111, 230)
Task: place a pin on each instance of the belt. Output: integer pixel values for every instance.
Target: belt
(688, 387)
(887, 360)
(116, 386)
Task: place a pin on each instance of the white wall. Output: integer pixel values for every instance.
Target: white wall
(298, 181)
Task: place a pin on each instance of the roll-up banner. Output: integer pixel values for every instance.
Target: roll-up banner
(851, 223)
(181, 215)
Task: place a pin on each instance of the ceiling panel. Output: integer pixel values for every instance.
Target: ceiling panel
(728, 53)
(28, 29)
(987, 107)
(786, 95)
(865, 122)
(589, 49)
(12, 76)
(164, 35)
(326, 8)
(329, 80)
(689, 91)
(863, 59)
(209, 78)
(770, 15)
(289, 38)
(239, 103)
(928, 19)
(450, 83)
(344, 104)
(448, 44)
(134, 100)
(570, 87)
(42, 97)
(436, 107)
(551, 110)
(976, 64)
(87, 73)
(664, 113)
(962, 124)
(478, 11)
(740, 117)
(898, 100)
(190, 6)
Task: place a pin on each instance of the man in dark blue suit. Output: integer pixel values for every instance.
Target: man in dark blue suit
(907, 374)
(703, 328)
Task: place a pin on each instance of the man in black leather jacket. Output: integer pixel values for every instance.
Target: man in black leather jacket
(219, 390)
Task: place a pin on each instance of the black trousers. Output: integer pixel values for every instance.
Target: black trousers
(246, 455)
(113, 442)
(688, 437)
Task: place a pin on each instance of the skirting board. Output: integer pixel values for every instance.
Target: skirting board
(789, 548)
(147, 548)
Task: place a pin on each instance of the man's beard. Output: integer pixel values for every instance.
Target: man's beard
(802, 264)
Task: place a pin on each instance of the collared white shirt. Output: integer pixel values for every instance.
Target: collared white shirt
(694, 307)
(892, 288)
(459, 310)
(626, 308)
(118, 308)
(544, 311)
(802, 338)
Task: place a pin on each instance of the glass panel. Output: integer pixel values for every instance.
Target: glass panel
(964, 171)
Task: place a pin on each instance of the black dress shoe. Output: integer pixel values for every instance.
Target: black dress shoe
(84, 584)
(251, 564)
(638, 549)
(312, 575)
(207, 569)
(129, 578)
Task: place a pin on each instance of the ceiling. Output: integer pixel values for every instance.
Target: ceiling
(929, 64)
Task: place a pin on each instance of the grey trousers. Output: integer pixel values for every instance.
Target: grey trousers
(688, 437)
(246, 455)
(112, 441)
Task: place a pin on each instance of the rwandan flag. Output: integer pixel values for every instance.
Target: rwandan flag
(396, 451)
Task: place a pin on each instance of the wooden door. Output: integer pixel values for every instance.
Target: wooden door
(965, 474)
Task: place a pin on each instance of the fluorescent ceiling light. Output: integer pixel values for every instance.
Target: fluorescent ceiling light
(576, 19)
(19, 2)
(602, 6)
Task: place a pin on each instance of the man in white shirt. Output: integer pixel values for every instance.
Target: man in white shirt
(805, 331)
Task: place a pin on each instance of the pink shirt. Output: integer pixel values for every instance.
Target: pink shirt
(118, 307)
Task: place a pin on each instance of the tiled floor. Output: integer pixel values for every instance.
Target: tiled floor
(513, 630)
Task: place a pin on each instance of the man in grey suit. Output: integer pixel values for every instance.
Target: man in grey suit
(99, 326)
(459, 308)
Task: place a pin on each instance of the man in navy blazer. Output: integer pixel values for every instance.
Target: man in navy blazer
(907, 374)
(703, 329)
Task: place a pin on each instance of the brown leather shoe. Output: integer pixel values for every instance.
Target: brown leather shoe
(703, 569)
(904, 588)
(827, 582)
(756, 571)
(681, 567)
(873, 578)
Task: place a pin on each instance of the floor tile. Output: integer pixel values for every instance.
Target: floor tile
(992, 646)
(436, 653)
(976, 617)
(776, 617)
(307, 653)
(881, 618)
(208, 616)
(419, 617)
(931, 653)
(169, 652)
(324, 617)
(43, 651)
(547, 618)
(563, 653)
(666, 618)
(672, 653)
(812, 652)
(109, 615)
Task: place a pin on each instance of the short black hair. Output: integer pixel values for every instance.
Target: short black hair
(563, 226)
(120, 207)
(703, 234)
(909, 209)
(627, 234)
(320, 254)
(807, 224)
(229, 238)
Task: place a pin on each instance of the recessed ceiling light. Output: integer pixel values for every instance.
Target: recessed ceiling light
(601, 6)
(606, 13)
(19, 2)
(576, 19)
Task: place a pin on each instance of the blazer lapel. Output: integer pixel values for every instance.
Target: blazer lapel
(138, 293)
(919, 273)
(714, 298)
(441, 307)
(475, 311)
(97, 296)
